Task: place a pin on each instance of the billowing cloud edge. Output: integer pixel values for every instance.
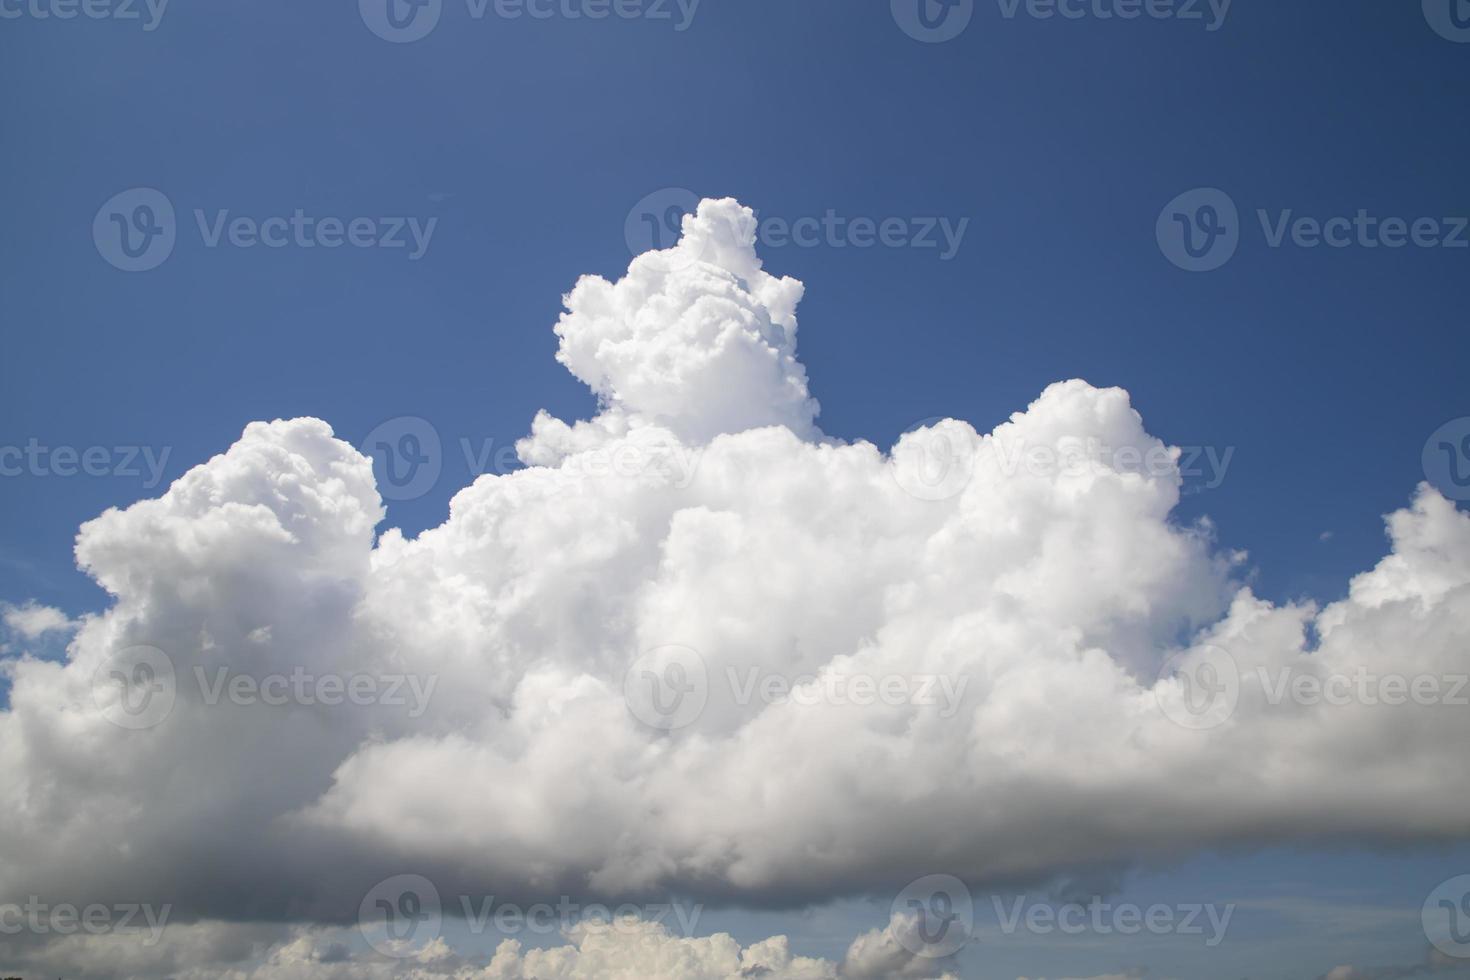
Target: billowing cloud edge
(1024, 594)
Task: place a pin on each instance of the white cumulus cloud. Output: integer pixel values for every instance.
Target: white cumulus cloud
(943, 658)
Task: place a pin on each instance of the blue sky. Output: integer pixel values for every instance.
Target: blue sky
(527, 142)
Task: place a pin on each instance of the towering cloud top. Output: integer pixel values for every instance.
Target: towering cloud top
(696, 338)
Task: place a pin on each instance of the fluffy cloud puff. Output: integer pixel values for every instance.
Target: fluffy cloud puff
(628, 949)
(31, 621)
(1017, 606)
